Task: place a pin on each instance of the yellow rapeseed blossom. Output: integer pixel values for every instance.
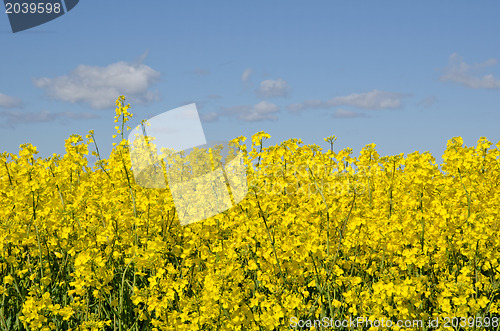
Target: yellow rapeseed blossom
(321, 235)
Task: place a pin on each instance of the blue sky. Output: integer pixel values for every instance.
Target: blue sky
(406, 76)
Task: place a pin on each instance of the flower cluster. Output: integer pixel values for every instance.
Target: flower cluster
(319, 235)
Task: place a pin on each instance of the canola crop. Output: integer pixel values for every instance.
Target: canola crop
(320, 236)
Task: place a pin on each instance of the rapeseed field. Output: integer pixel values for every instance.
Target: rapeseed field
(321, 239)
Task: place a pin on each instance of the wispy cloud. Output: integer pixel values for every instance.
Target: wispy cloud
(141, 58)
(308, 104)
(100, 86)
(370, 100)
(373, 100)
(262, 111)
(344, 113)
(210, 117)
(245, 77)
(273, 88)
(10, 102)
(462, 73)
(17, 117)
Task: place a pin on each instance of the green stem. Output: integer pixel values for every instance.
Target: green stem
(271, 240)
(327, 213)
(466, 193)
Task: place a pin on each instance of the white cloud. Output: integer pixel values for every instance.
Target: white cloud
(370, 100)
(374, 100)
(264, 110)
(101, 86)
(308, 104)
(17, 117)
(10, 102)
(344, 113)
(246, 75)
(462, 73)
(273, 88)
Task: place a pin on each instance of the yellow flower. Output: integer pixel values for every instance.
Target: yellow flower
(8, 279)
